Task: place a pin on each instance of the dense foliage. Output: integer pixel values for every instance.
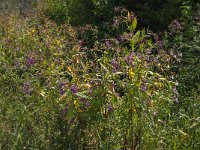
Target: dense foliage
(85, 75)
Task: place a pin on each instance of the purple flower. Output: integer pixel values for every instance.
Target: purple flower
(175, 26)
(120, 38)
(139, 55)
(90, 91)
(160, 43)
(87, 104)
(147, 65)
(113, 84)
(176, 101)
(144, 88)
(157, 59)
(73, 88)
(132, 16)
(62, 87)
(133, 65)
(62, 91)
(107, 44)
(110, 107)
(129, 59)
(147, 58)
(175, 91)
(30, 61)
(115, 66)
(61, 84)
(27, 88)
(145, 81)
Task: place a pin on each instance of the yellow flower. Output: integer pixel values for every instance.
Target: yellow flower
(87, 86)
(33, 30)
(69, 69)
(131, 73)
(58, 42)
(76, 103)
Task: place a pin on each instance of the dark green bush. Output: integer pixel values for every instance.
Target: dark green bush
(77, 12)
(155, 14)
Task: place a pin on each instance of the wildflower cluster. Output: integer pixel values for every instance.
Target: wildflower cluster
(74, 89)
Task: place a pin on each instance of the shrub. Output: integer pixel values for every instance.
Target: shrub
(77, 12)
(155, 14)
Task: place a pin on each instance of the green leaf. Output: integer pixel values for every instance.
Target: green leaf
(70, 114)
(133, 25)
